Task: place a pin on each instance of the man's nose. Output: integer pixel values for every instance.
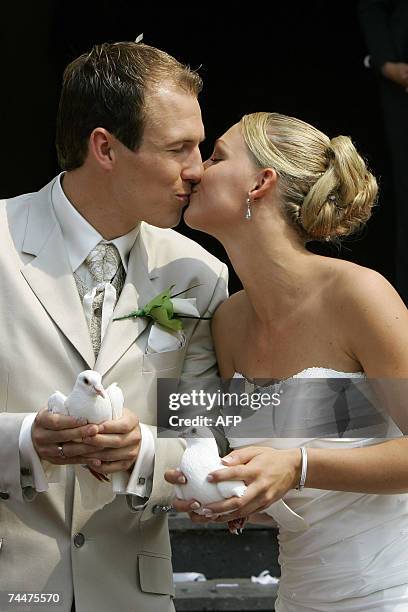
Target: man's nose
(194, 170)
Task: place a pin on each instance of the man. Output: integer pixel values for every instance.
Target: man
(385, 28)
(92, 245)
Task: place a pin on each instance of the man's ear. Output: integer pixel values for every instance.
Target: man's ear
(265, 181)
(101, 147)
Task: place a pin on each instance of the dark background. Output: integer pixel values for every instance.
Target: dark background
(297, 58)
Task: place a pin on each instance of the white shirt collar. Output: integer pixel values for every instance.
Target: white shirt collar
(79, 235)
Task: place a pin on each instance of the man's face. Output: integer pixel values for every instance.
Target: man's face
(153, 184)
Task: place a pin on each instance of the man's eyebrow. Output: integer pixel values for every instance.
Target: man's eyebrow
(185, 141)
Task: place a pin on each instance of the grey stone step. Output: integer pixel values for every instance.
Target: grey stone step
(246, 597)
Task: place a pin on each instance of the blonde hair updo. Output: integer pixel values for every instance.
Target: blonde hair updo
(327, 189)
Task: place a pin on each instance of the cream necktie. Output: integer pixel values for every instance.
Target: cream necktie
(105, 266)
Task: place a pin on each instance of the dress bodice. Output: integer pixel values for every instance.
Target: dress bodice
(315, 372)
(351, 553)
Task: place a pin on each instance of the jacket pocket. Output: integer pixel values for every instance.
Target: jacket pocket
(155, 574)
(168, 360)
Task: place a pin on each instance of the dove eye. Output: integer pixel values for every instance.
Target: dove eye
(86, 381)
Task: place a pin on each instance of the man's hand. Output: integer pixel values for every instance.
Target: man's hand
(49, 431)
(397, 72)
(116, 445)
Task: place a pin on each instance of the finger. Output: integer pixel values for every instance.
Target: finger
(78, 450)
(69, 451)
(102, 440)
(175, 477)
(126, 453)
(181, 505)
(246, 510)
(256, 499)
(48, 436)
(49, 420)
(242, 455)
(226, 506)
(123, 425)
(239, 472)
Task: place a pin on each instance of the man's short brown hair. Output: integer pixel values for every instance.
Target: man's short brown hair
(107, 88)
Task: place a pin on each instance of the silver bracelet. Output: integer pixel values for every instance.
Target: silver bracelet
(303, 472)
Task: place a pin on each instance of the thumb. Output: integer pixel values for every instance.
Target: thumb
(243, 455)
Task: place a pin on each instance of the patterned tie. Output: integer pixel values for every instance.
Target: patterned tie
(105, 266)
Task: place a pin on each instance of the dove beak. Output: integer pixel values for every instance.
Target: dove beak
(99, 390)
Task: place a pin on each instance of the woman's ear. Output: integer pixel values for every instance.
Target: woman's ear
(266, 181)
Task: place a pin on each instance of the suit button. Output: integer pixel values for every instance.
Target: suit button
(25, 471)
(79, 540)
(4, 495)
(98, 311)
(29, 493)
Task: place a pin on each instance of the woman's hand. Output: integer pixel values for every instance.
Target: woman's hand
(261, 518)
(268, 473)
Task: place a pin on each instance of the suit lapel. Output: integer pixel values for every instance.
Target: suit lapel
(49, 274)
(137, 291)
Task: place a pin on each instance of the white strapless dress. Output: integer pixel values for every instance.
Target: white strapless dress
(352, 551)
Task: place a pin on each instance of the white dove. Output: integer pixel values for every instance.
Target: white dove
(88, 399)
(199, 459)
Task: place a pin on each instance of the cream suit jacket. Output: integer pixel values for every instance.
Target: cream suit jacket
(124, 562)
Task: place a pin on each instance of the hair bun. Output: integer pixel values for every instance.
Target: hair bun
(341, 200)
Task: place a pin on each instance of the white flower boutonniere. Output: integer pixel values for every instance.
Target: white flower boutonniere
(167, 313)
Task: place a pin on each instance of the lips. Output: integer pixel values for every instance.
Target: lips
(183, 196)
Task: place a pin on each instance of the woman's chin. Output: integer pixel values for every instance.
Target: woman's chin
(194, 219)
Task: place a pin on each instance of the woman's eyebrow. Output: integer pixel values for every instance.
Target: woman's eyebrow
(219, 142)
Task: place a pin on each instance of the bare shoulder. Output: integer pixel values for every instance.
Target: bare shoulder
(373, 319)
(365, 289)
(225, 328)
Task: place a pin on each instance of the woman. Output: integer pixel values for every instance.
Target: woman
(272, 184)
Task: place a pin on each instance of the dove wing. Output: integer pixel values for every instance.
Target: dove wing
(115, 395)
(56, 403)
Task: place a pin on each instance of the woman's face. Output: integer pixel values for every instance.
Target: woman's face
(220, 198)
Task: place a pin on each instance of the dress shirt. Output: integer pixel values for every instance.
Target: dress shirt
(80, 238)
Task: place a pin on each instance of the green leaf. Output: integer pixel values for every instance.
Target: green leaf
(159, 300)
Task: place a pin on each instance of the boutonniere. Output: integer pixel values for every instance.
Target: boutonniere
(167, 310)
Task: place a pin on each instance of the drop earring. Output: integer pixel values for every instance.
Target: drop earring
(248, 213)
